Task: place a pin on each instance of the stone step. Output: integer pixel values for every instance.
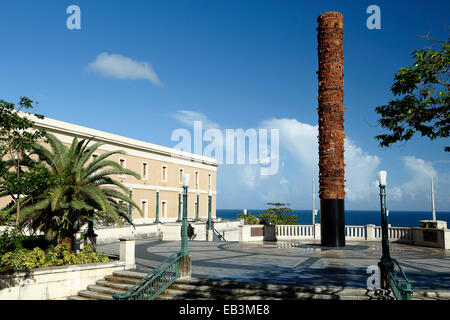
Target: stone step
(130, 274)
(213, 289)
(78, 298)
(224, 291)
(172, 293)
(292, 292)
(115, 285)
(94, 295)
(104, 290)
(163, 297)
(194, 294)
(246, 287)
(117, 279)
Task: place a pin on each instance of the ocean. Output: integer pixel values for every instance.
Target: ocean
(355, 217)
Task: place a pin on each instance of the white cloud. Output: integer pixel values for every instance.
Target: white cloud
(300, 139)
(250, 176)
(420, 172)
(395, 193)
(121, 67)
(187, 117)
(360, 171)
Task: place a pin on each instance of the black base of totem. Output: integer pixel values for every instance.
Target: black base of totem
(332, 223)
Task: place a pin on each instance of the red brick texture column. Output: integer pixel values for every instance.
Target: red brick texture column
(330, 38)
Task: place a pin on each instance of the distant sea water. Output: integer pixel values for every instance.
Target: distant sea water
(354, 217)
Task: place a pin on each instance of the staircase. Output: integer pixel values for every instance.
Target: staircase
(118, 282)
(206, 289)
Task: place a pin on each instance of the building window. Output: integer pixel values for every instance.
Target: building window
(123, 164)
(144, 170)
(164, 208)
(181, 176)
(93, 158)
(144, 208)
(209, 180)
(196, 179)
(164, 174)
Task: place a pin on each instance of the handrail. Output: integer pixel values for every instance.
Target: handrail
(149, 278)
(401, 289)
(217, 234)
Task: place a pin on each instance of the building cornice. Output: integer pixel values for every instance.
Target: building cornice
(66, 128)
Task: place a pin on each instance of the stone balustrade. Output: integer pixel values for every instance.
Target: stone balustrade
(368, 232)
(290, 232)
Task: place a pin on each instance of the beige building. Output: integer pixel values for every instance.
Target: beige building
(160, 168)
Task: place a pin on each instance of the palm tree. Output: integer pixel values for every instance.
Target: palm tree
(81, 189)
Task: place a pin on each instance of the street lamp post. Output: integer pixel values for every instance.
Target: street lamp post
(433, 209)
(184, 226)
(179, 204)
(130, 208)
(386, 263)
(209, 228)
(198, 206)
(388, 278)
(157, 206)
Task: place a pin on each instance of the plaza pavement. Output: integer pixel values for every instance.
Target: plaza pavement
(296, 263)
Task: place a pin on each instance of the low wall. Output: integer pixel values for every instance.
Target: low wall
(171, 231)
(229, 229)
(439, 238)
(54, 282)
(113, 234)
(257, 232)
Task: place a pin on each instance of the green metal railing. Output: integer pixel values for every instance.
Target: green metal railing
(402, 289)
(217, 236)
(155, 282)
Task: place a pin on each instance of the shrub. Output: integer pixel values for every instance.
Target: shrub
(249, 218)
(271, 217)
(22, 260)
(14, 240)
(278, 219)
(26, 260)
(10, 241)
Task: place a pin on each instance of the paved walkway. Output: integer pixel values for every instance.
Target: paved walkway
(297, 263)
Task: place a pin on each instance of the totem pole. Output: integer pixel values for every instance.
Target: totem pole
(330, 38)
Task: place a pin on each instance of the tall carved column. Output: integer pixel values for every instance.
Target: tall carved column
(330, 38)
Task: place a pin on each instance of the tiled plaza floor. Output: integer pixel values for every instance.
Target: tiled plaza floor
(298, 263)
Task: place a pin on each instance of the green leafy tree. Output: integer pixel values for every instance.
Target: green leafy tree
(248, 218)
(80, 190)
(425, 99)
(17, 137)
(279, 213)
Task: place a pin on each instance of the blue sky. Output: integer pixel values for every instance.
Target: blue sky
(232, 64)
